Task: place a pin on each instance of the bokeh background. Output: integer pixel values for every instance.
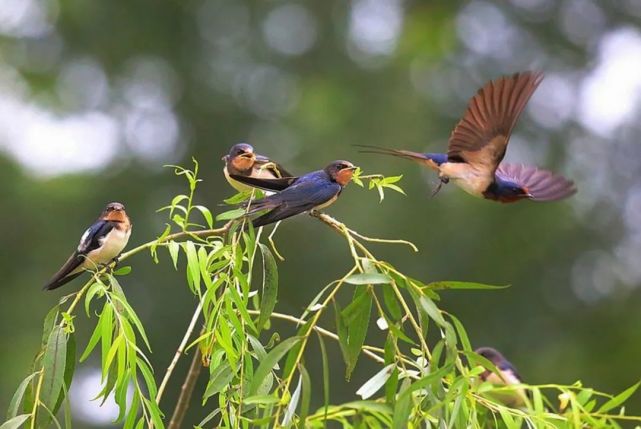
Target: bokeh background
(95, 96)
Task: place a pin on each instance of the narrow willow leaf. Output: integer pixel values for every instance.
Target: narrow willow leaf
(368, 279)
(53, 365)
(208, 418)
(325, 374)
(619, 399)
(402, 407)
(432, 310)
(230, 214)
(206, 214)
(462, 334)
(371, 386)
(356, 319)
(123, 271)
(156, 416)
(442, 285)
(293, 403)
(93, 290)
(270, 361)
(49, 323)
(193, 267)
(70, 367)
(132, 413)
(174, 250)
(270, 287)
(15, 422)
(305, 398)
(16, 400)
(391, 303)
(220, 378)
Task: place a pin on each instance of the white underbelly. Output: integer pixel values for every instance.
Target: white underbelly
(112, 245)
(241, 187)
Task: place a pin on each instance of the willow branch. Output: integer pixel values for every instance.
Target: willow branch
(179, 352)
(186, 391)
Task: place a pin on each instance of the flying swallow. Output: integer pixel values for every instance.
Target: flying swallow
(243, 161)
(507, 376)
(315, 190)
(101, 243)
(478, 143)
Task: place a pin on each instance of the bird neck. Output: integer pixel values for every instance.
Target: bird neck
(437, 158)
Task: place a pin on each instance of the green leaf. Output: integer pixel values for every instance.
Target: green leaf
(174, 248)
(14, 405)
(402, 407)
(442, 285)
(325, 374)
(15, 422)
(355, 321)
(206, 214)
(368, 279)
(432, 310)
(123, 271)
(306, 397)
(193, 266)
(270, 362)
(230, 214)
(270, 287)
(49, 323)
(93, 290)
(220, 378)
(238, 198)
(619, 399)
(53, 365)
(70, 367)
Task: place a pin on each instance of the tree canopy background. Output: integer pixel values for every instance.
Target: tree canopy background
(96, 96)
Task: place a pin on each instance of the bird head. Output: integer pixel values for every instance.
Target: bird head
(241, 156)
(490, 354)
(114, 212)
(340, 172)
(510, 191)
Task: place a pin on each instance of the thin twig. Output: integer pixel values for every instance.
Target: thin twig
(185, 391)
(179, 352)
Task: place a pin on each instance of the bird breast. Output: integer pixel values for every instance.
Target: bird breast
(111, 246)
(468, 178)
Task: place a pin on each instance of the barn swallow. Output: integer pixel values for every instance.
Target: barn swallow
(101, 243)
(243, 161)
(478, 143)
(507, 376)
(315, 190)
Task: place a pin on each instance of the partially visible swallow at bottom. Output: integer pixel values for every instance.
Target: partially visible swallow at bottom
(243, 161)
(295, 195)
(507, 376)
(101, 243)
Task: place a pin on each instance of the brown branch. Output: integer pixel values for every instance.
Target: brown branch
(185, 391)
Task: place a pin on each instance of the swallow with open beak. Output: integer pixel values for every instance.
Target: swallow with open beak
(507, 376)
(478, 144)
(101, 243)
(243, 161)
(294, 195)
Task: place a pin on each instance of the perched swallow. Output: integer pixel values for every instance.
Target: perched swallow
(315, 190)
(478, 143)
(507, 376)
(101, 243)
(242, 161)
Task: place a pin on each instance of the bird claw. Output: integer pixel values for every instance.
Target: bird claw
(442, 181)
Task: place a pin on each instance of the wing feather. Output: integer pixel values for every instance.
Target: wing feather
(482, 135)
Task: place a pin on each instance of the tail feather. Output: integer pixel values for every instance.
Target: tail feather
(422, 158)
